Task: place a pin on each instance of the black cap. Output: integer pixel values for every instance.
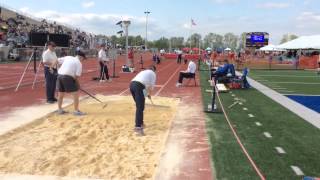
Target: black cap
(82, 54)
(51, 43)
(153, 68)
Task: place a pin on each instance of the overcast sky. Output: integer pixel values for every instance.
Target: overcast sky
(173, 17)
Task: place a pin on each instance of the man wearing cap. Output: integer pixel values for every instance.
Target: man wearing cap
(68, 80)
(49, 60)
(103, 62)
(142, 85)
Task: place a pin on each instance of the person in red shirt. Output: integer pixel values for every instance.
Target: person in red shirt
(131, 57)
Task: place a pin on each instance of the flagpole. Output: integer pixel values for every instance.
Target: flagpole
(190, 35)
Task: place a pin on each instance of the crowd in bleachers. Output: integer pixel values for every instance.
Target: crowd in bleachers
(14, 32)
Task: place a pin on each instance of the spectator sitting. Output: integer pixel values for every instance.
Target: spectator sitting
(221, 71)
(189, 73)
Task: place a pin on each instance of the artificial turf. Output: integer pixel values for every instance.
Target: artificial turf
(298, 138)
(293, 81)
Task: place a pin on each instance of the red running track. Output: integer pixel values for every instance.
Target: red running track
(194, 165)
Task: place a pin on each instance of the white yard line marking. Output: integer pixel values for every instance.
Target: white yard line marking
(305, 83)
(283, 76)
(278, 88)
(258, 124)
(285, 91)
(245, 109)
(240, 103)
(251, 115)
(233, 95)
(268, 135)
(297, 170)
(303, 94)
(280, 150)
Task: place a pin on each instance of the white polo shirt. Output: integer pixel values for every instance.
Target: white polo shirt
(70, 66)
(147, 78)
(102, 55)
(49, 56)
(192, 67)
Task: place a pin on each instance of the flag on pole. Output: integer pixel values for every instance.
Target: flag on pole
(193, 23)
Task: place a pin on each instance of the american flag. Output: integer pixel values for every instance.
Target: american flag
(193, 23)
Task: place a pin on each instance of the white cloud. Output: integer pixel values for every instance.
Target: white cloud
(88, 4)
(309, 16)
(224, 1)
(24, 9)
(272, 5)
(102, 23)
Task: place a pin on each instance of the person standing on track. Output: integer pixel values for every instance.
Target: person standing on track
(103, 62)
(131, 57)
(142, 85)
(68, 80)
(49, 60)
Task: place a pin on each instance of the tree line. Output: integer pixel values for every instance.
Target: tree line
(212, 40)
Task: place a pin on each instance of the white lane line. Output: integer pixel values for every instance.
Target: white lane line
(268, 135)
(165, 84)
(258, 124)
(251, 115)
(121, 93)
(280, 150)
(245, 109)
(297, 170)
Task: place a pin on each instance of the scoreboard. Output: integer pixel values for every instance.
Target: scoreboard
(257, 39)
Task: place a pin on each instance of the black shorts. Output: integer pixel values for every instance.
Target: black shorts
(67, 83)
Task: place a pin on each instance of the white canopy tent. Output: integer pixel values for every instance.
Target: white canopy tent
(227, 49)
(303, 42)
(271, 47)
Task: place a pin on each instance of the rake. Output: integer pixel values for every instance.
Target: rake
(91, 95)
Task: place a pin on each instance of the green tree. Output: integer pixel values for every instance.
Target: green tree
(288, 37)
(194, 40)
(162, 43)
(242, 43)
(230, 40)
(177, 42)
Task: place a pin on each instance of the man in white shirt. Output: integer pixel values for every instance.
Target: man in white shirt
(142, 85)
(103, 62)
(68, 80)
(49, 60)
(189, 73)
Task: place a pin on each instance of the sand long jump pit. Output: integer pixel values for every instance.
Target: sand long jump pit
(100, 145)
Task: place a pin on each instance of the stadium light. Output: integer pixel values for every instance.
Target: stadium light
(126, 24)
(146, 40)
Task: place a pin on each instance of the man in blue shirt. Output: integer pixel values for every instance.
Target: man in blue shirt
(221, 71)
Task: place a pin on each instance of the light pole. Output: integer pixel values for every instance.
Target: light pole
(126, 25)
(146, 40)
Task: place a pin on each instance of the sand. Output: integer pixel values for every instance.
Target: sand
(101, 144)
